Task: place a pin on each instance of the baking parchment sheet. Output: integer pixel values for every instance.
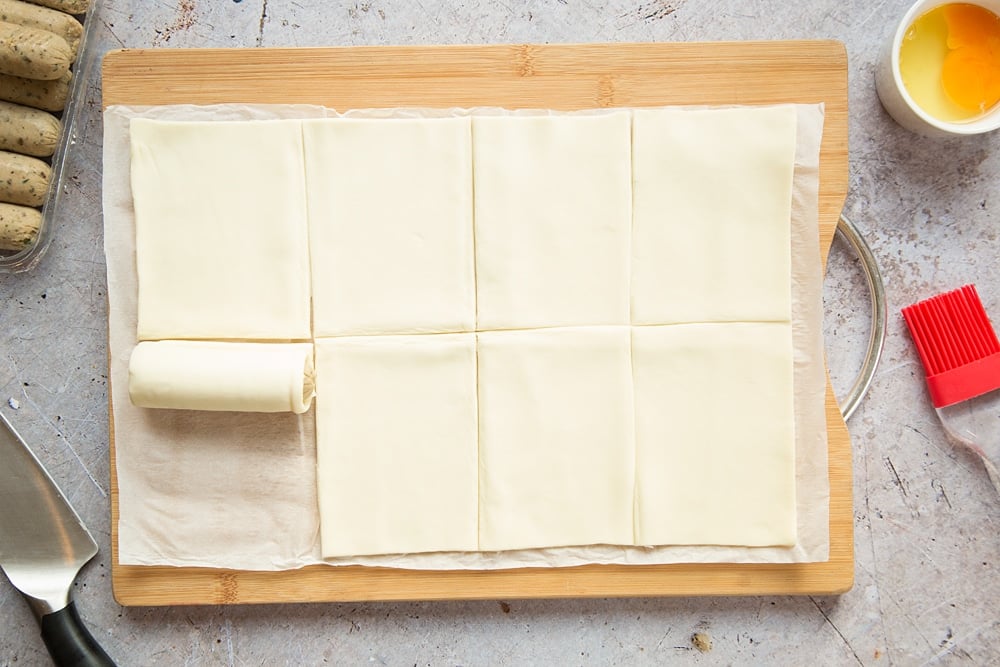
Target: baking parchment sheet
(238, 490)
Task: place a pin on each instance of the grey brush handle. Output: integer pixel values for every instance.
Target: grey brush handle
(69, 642)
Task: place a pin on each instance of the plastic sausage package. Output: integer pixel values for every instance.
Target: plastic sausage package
(21, 246)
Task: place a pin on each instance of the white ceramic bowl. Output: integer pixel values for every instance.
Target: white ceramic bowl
(897, 100)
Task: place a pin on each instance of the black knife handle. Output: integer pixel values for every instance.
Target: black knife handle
(69, 642)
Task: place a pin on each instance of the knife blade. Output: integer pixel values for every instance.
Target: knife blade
(43, 545)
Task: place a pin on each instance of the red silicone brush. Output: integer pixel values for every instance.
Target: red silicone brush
(961, 357)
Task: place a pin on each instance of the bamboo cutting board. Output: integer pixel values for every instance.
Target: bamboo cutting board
(563, 77)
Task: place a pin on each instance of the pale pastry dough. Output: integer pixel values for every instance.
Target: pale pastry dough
(557, 423)
(712, 214)
(221, 239)
(396, 444)
(552, 219)
(715, 448)
(556, 441)
(390, 214)
(230, 376)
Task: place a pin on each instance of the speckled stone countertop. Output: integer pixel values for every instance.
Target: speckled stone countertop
(927, 585)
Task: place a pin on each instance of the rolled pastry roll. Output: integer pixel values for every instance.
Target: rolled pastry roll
(209, 375)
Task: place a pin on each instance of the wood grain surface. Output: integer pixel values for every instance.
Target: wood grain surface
(561, 77)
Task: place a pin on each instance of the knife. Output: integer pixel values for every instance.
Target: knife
(43, 545)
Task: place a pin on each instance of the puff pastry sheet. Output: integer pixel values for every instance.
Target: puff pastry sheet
(711, 229)
(222, 376)
(390, 220)
(220, 230)
(556, 438)
(531, 331)
(396, 444)
(553, 220)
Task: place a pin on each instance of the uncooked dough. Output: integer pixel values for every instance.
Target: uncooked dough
(701, 454)
(396, 444)
(229, 376)
(556, 438)
(221, 239)
(712, 214)
(715, 447)
(390, 215)
(553, 219)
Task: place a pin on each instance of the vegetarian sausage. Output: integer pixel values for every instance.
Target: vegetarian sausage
(19, 226)
(23, 180)
(32, 53)
(48, 95)
(28, 131)
(68, 6)
(42, 18)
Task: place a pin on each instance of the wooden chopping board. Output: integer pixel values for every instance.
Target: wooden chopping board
(561, 77)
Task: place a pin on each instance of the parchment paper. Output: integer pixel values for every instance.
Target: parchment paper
(238, 490)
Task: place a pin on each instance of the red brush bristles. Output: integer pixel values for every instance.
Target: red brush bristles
(957, 345)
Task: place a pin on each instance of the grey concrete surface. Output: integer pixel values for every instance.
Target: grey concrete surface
(927, 541)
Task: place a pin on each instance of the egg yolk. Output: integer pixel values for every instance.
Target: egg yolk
(970, 73)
